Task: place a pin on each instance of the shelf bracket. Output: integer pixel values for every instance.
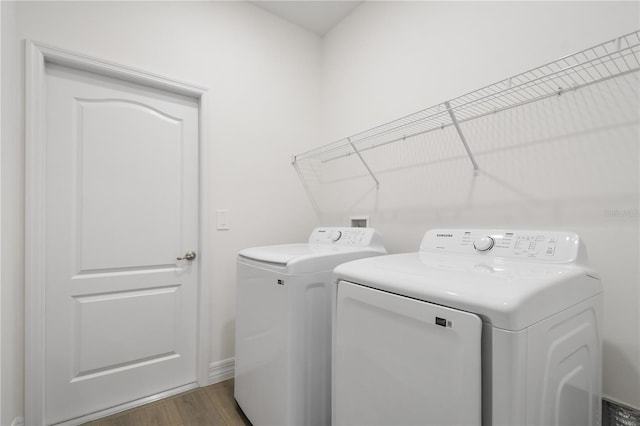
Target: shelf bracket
(454, 120)
(364, 163)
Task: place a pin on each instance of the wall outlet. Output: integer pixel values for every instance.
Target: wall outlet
(359, 221)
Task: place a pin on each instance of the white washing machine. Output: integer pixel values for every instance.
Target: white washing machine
(480, 327)
(283, 325)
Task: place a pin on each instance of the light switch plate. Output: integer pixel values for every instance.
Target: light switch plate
(223, 219)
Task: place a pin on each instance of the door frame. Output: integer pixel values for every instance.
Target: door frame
(37, 56)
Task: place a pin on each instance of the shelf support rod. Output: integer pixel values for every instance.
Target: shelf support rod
(364, 162)
(454, 120)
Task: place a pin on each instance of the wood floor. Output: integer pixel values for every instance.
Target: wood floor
(206, 406)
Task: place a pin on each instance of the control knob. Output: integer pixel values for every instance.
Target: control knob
(335, 236)
(483, 243)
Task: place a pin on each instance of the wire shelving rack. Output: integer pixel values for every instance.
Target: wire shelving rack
(611, 59)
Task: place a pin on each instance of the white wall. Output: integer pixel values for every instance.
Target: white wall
(0, 212)
(569, 163)
(11, 224)
(263, 76)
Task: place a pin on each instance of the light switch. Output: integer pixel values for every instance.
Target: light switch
(223, 219)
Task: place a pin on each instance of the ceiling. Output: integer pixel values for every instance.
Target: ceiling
(315, 16)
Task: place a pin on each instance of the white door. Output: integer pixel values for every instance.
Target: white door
(121, 206)
(401, 361)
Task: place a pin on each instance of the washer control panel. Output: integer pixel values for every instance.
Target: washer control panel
(544, 246)
(339, 236)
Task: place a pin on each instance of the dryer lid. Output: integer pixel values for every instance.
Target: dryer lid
(524, 278)
(507, 294)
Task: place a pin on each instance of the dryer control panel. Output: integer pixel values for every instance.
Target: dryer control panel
(344, 236)
(542, 246)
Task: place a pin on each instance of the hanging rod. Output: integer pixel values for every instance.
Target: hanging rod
(611, 59)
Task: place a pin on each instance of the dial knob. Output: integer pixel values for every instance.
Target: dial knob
(483, 244)
(335, 236)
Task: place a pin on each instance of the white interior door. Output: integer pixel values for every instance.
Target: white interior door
(121, 206)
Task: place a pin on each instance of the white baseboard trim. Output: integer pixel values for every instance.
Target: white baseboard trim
(127, 406)
(221, 370)
(218, 372)
(18, 421)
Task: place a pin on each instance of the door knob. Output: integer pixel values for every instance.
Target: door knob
(190, 255)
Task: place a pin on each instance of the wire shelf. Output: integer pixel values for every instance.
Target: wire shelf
(602, 62)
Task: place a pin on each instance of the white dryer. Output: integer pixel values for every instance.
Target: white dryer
(283, 325)
(480, 327)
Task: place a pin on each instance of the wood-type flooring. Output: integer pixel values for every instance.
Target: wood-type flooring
(206, 406)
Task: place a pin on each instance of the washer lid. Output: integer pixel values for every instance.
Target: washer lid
(509, 294)
(304, 258)
(280, 254)
(327, 247)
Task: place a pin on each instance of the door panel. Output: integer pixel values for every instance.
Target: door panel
(120, 343)
(117, 156)
(121, 205)
(401, 361)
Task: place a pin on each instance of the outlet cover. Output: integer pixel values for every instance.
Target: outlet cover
(359, 221)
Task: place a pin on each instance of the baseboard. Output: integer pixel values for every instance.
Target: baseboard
(127, 406)
(221, 370)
